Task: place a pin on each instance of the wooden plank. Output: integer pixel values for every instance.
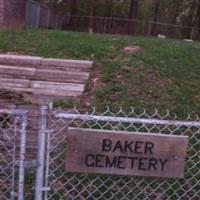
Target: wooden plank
(125, 153)
(61, 76)
(37, 91)
(67, 63)
(64, 68)
(56, 92)
(19, 59)
(13, 82)
(57, 86)
(13, 70)
(43, 75)
(46, 99)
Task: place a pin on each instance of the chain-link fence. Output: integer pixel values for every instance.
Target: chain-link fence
(39, 15)
(12, 153)
(58, 184)
(125, 26)
(54, 183)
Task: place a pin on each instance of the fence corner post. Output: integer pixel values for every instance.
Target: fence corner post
(41, 152)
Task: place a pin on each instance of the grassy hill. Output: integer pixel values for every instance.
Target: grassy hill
(163, 74)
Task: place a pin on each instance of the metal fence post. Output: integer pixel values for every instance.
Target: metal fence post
(41, 154)
(22, 156)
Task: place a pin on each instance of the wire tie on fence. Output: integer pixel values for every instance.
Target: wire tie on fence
(50, 131)
(45, 188)
(28, 163)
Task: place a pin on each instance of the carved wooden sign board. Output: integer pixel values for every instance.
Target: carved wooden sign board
(125, 153)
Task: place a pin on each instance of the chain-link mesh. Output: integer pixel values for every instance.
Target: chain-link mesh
(70, 186)
(10, 138)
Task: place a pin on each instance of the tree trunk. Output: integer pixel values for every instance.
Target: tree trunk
(91, 15)
(172, 29)
(198, 22)
(1, 14)
(156, 17)
(198, 16)
(72, 11)
(73, 7)
(190, 19)
(53, 4)
(132, 16)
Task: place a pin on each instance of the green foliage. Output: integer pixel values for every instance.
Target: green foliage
(68, 103)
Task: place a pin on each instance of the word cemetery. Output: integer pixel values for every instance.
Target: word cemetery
(123, 162)
(125, 153)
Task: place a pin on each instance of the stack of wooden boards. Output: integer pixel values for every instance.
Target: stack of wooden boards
(42, 80)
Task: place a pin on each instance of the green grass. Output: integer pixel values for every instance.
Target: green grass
(164, 75)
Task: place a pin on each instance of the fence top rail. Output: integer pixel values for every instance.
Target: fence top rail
(18, 112)
(88, 117)
(134, 20)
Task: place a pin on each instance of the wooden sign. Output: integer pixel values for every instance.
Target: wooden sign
(125, 153)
